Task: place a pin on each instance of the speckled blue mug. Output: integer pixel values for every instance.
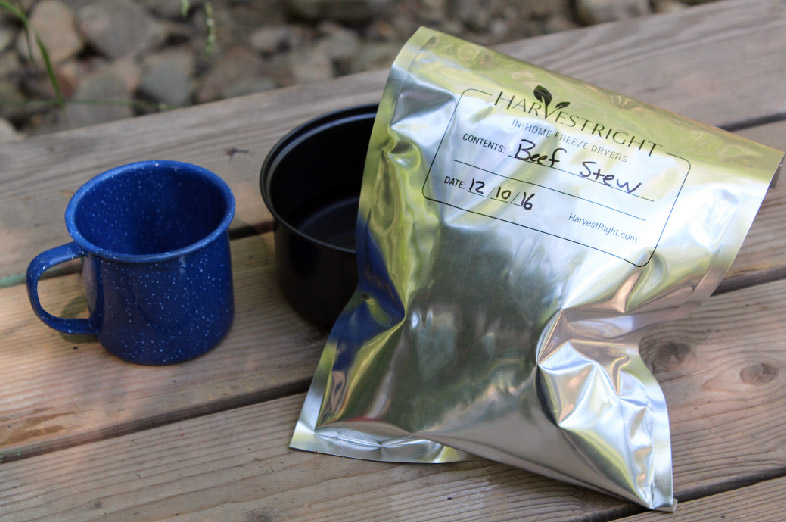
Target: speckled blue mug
(156, 262)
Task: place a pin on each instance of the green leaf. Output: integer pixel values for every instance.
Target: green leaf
(562, 105)
(50, 72)
(16, 11)
(543, 95)
(210, 23)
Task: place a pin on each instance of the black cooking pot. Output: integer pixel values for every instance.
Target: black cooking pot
(311, 182)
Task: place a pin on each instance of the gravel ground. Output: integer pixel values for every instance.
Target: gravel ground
(115, 59)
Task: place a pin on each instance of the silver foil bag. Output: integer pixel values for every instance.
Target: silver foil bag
(518, 230)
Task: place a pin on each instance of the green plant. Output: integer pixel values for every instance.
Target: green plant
(16, 10)
(210, 23)
(50, 71)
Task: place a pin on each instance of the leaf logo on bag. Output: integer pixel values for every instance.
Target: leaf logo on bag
(543, 95)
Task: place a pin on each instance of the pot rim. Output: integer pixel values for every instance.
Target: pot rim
(294, 138)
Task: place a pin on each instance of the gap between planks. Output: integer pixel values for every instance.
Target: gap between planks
(754, 277)
(702, 497)
(764, 501)
(240, 400)
(239, 232)
(772, 134)
(743, 280)
(158, 420)
(57, 397)
(698, 62)
(228, 465)
(235, 462)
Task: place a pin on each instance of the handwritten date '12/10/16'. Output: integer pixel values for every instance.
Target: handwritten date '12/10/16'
(498, 193)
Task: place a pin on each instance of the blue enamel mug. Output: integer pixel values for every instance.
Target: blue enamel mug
(156, 263)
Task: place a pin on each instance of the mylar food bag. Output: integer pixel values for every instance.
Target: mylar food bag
(518, 231)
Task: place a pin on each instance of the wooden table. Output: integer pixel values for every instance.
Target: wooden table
(84, 436)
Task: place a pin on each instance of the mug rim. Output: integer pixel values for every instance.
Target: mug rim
(92, 248)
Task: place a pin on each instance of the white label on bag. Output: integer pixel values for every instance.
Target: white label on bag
(613, 194)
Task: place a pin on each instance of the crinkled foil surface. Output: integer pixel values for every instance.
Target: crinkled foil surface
(517, 231)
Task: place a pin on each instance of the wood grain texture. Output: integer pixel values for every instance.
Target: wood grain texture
(269, 352)
(58, 389)
(762, 257)
(763, 502)
(719, 64)
(236, 467)
(723, 372)
(88, 437)
(722, 369)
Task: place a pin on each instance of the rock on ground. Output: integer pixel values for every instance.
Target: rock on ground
(601, 11)
(12, 106)
(668, 6)
(343, 10)
(259, 45)
(69, 73)
(375, 56)
(128, 70)
(235, 65)
(557, 23)
(167, 77)
(310, 65)
(8, 132)
(171, 9)
(76, 5)
(9, 63)
(118, 28)
(53, 22)
(108, 97)
(248, 86)
(7, 35)
(472, 13)
(338, 43)
(275, 38)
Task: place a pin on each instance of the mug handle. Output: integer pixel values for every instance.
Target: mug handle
(40, 264)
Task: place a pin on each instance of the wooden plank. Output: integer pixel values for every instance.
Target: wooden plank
(235, 466)
(719, 63)
(723, 371)
(269, 352)
(772, 134)
(144, 396)
(762, 257)
(38, 421)
(763, 502)
(61, 389)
